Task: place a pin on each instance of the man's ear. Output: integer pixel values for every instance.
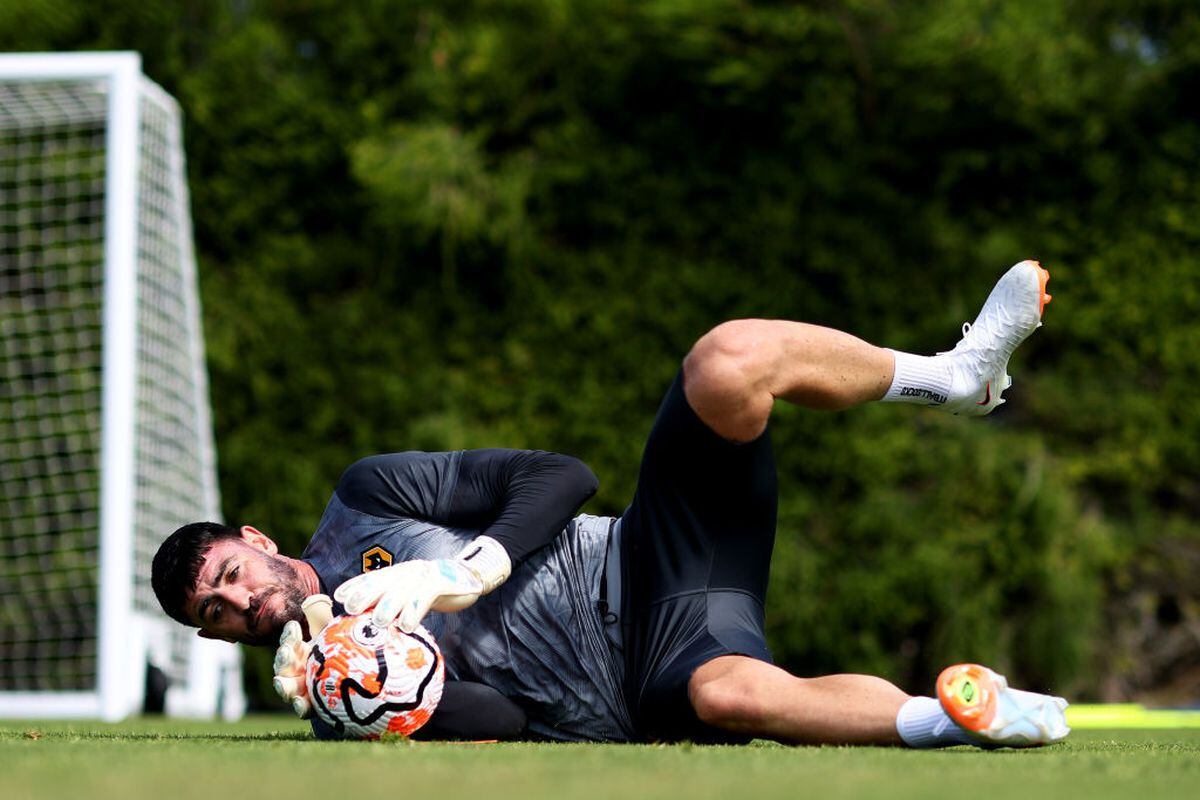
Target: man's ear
(257, 539)
(203, 634)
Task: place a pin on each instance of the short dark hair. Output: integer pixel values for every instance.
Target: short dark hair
(177, 563)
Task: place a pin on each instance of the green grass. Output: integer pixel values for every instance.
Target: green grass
(274, 757)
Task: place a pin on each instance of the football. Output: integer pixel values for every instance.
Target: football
(365, 680)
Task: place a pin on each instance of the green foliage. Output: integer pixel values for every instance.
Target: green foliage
(437, 225)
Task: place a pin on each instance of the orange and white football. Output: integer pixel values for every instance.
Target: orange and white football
(364, 680)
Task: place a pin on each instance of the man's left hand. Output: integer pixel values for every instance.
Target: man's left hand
(407, 591)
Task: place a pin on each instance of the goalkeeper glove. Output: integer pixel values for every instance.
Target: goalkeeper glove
(407, 591)
(292, 655)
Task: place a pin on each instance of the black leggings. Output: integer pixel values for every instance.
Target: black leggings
(696, 552)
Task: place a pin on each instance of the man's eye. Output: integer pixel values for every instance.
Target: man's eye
(216, 612)
(233, 573)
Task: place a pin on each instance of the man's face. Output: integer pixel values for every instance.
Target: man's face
(245, 591)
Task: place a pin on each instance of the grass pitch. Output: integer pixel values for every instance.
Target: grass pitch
(266, 757)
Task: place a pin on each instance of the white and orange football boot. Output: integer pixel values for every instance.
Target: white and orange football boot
(981, 703)
(979, 362)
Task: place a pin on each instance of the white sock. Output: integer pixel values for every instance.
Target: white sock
(923, 723)
(924, 380)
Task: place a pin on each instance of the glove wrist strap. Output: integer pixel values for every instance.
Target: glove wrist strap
(488, 559)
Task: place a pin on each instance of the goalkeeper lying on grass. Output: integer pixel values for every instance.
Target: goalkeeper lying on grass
(644, 627)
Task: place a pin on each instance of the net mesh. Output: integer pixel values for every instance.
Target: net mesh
(52, 160)
(52, 198)
(173, 455)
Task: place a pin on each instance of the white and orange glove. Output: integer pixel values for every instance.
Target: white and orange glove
(292, 655)
(404, 593)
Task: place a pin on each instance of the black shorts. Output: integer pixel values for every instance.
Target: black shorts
(696, 552)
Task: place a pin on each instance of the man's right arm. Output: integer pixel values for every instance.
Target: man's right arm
(468, 711)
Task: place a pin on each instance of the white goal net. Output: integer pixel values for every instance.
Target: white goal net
(105, 439)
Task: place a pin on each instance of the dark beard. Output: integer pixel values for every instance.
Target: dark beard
(288, 587)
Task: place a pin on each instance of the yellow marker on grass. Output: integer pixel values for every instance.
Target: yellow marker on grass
(1129, 715)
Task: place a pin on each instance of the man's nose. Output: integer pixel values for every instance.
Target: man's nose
(238, 597)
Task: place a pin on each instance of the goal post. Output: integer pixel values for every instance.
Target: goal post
(105, 435)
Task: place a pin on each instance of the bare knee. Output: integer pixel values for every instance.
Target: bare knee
(725, 378)
(728, 357)
(727, 702)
